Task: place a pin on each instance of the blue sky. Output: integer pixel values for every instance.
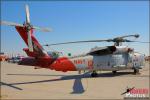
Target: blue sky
(77, 20)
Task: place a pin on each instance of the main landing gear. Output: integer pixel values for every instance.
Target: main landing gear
(94, 74)
(136, 71)
(114, 72)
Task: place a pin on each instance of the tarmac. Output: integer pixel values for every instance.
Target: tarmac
(25, 82)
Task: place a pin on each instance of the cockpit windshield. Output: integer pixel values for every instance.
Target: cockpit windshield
(54, 54)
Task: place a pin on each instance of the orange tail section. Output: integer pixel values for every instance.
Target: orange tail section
(39, 55)
(38, 49)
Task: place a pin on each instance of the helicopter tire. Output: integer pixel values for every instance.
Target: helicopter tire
(94, 74)
(136, 71)
(114, 72)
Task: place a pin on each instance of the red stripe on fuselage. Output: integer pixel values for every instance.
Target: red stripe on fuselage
(63, 64)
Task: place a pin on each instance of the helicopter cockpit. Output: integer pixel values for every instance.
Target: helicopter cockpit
(54, 54)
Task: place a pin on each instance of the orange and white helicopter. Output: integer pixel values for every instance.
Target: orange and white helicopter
(109, 58)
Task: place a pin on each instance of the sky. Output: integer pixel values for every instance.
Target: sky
(75, 21)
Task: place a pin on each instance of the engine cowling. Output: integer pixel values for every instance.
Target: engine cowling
(122, 49)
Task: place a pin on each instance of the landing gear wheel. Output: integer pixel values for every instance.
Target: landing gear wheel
(94, 74)
(114, 72)
(136, 71)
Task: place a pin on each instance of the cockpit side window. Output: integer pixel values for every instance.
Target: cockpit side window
(53, 54)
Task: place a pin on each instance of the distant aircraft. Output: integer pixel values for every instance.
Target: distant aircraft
(110, 58)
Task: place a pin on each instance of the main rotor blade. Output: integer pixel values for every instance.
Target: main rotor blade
(27, 14)
(78, 42)
(140, 41)
(135, 35)
(10, 23)
(116, 40)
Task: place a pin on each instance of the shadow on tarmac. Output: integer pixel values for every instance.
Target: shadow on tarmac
(10, 85)
(71, 77)
(77, 86)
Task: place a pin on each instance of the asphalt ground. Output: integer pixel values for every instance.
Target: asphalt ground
(25, 82)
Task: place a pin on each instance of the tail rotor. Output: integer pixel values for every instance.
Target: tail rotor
(28, 28)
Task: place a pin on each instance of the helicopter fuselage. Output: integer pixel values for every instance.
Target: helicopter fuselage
(120, 59)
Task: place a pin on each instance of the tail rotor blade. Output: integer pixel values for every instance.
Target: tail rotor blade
(42, 29)
(16, 24)
(27, 14)
(30, 45)
(10, 23)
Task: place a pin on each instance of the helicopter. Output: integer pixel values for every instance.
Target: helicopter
(109, 58)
